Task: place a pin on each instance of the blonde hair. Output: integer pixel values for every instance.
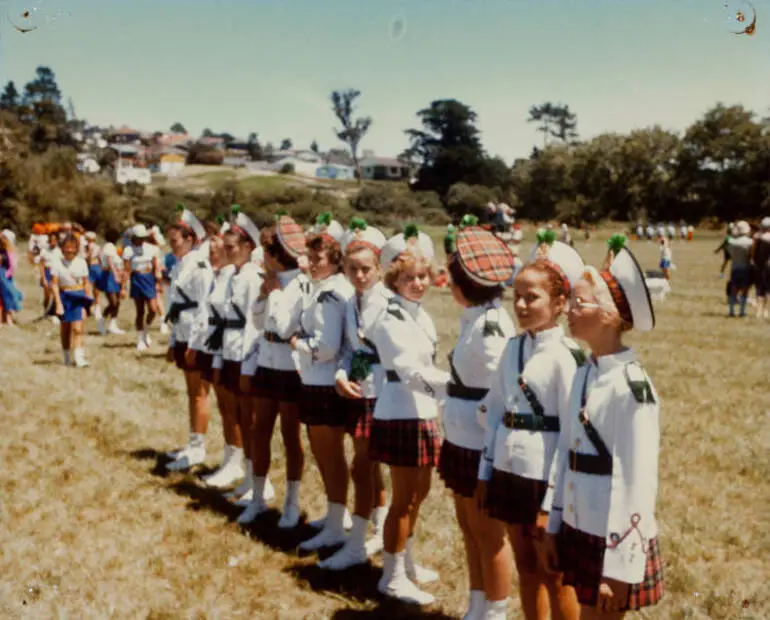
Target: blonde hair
(408, 260)
(601, 293)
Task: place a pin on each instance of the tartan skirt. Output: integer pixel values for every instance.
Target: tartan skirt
(282, 385)
(180, 348)
(405, 443)
(360, 412)
(459, 468)
(230, 376)
(581, 558)
(514, 499)
(320, 405)
(204, 364)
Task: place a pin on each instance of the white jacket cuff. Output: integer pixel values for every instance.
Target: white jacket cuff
(555, 517)
(341, 375)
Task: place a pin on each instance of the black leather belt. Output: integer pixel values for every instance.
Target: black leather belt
(595, 464)
(275, 338)
(527, 422)
(455, 390)
(392, 376)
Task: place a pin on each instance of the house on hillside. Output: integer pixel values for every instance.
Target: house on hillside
(214, 142)
(383, 169)
(338, 172)
(167, 160)
(129, 155)
(304, 162)
(174, 140)
(125, 135)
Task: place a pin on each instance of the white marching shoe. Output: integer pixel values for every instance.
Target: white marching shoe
(291, 513)
(112, 328)
(80, 358)
(333, 532)
(230, 472)
(354, 552)
(320, 524)
(164, 329)
(258, 505)
(194, 454)
(141, 343)
(477, 604)
(417, 573)
(100, 326)
(245, 485)
(146, 337)
(395, 583)
(495, 610)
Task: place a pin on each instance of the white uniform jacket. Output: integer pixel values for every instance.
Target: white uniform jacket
(201, 330)
(527, 404)
(322, 324)
(241, 331)
(278, 319)
(359, 360)
(484, 332)
(190, 282)
(405, 339)
(605, 478)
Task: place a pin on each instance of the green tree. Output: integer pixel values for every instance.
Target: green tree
(10, 99)
(42, 109)
(177, 128)
(314, 147)
(286, 144)
(207, 133)
(555, 121)
(255, 148)
(353, 129)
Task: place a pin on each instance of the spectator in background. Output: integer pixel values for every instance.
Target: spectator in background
(739, 248)
(761, 260)
(10, 296)
(665, 258)
(723, 248)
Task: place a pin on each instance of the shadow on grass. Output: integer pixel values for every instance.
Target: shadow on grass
(387, 610)
(119, 345)
(358, 582)
(44, 362)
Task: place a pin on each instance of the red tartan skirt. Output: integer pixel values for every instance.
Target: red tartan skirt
(320, 405)
(581, 558)
(514, 499)
(285, 386)
(230, 376)
(360, 416)
(459, 468)
(180, 348)
(405, 443)
(204, 362)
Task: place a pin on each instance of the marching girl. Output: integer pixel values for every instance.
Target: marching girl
(319, 348)
(602, 528)
(72, 298)
(233, 325)
(49, 257)
(93, 255)
(142, 268)
(405, 434)
(190, 282)
(276, 384)
(110, 283)
(479, 264)
(523, 412)
(10, 296)
(358, 380)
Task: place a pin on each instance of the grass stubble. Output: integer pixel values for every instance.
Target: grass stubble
(92, 529)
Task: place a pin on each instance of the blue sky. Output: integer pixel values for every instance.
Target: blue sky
(269, 65)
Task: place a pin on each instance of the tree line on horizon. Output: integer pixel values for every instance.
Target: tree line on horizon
(718, 168)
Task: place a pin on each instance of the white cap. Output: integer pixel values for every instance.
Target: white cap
(243, 221)
(187, 218)
(361, 233)
(224, 228)
(742, 228)
(325, 225)
(90, 235)
(630, 277)
(10, 235)
(562, 255)
(411, 238)
(140, 230)
(765, 223)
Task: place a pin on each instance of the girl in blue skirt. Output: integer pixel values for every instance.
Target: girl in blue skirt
(110, 283)
(72, 298)
(140, 260)
(10, 296)
(93, 256)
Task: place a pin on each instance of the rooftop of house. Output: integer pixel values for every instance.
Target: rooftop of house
(383, 161)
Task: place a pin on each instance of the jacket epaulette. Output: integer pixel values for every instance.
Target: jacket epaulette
(395, 309)
(325, 296)
(491, 325)
(201, 264)
(639, 383)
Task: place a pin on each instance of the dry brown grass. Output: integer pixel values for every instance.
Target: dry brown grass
(91, 530)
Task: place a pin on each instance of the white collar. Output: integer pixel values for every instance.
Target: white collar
(546, 335)
(284, 277)
(412, 307)
(605, 363)
(472, 312)
(375, 289)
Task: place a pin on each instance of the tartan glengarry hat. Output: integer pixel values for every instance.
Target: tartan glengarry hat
(290, 235)
(486, 259)
(359, 234)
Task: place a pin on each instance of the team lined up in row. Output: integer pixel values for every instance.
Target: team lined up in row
(552, 460)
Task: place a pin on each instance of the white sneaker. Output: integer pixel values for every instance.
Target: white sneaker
(146, 338)
(328, 537)
(253, 510)
(100, 327)
(350, 555)
(245, 499)
(164, 329)
(414, 571)
(189, 457)
(395, 584)
(55, 320)
(290, 517)
(374, 545)
(224, 477)
(113, 328)
(141, 345)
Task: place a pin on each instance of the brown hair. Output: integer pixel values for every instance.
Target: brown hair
(241, 235)
(211, 228)
(558, 285)
(274, 247)
(475, 293)
(405, 261)
(324, 243)
(185, 231)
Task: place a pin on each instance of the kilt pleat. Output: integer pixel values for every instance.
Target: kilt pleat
(405, 443)
(320, 405)
(581, 558)
(282, 385)
(514, 499)
(459, 468)
(359, 419)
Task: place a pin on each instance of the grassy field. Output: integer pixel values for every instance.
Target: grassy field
(92, 528)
